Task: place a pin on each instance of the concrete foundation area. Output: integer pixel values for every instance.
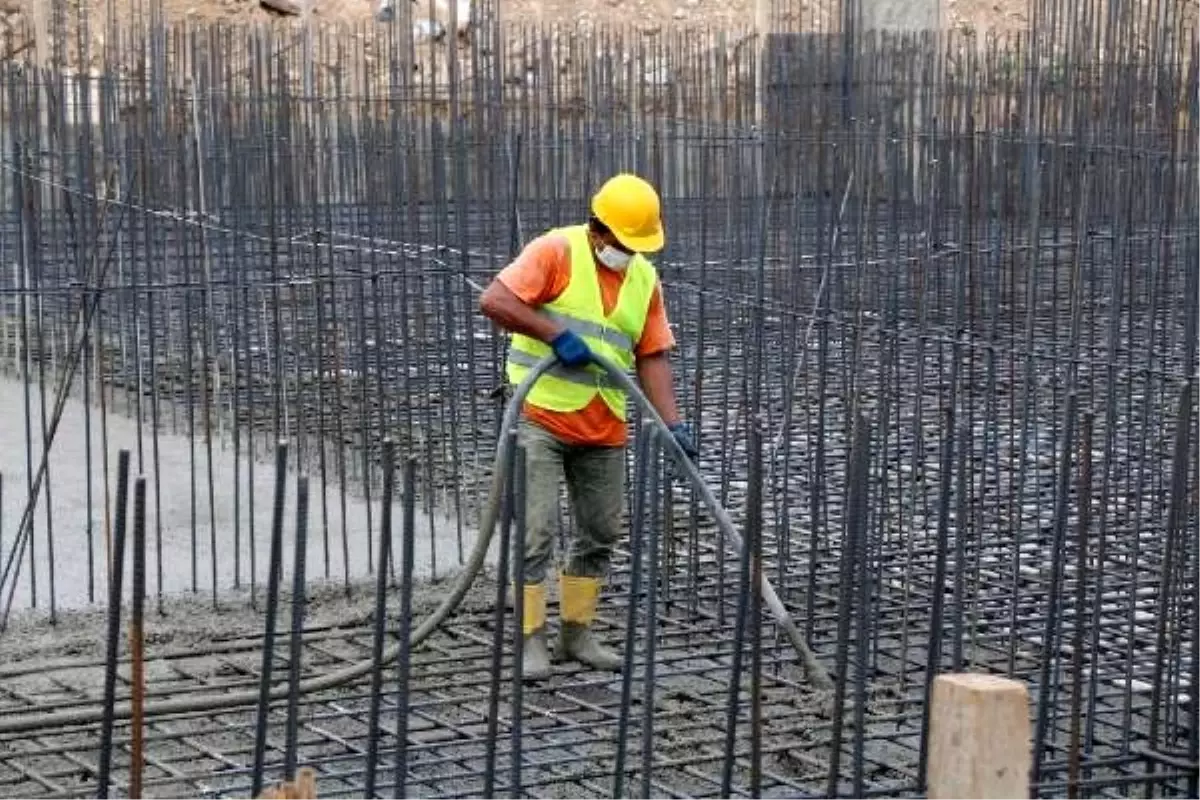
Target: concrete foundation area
(934, 321)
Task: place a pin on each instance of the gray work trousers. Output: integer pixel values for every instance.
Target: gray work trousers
(595, 479)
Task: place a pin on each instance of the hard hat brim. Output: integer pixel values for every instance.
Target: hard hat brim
(642, 244)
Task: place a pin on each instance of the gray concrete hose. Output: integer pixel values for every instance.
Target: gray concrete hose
(491, 513)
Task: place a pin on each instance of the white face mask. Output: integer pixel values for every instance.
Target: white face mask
(613, 258)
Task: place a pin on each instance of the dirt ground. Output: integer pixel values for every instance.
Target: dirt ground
(980, 15)
(981, 19)
(997, 16)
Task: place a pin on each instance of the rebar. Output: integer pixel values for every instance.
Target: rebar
(517, 507)
(497, 654)
(296, 642)
(137, 641)
(223, 236)
(403, 659)
(268, 649)
(644, 446)
(380, 622)
(116, 572)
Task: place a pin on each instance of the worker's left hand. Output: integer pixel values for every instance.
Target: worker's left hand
(681, 432)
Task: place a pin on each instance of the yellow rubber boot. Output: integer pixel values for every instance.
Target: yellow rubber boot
(577, 599)
(536, 662)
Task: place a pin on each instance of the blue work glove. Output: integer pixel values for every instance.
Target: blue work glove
(571, 350)
(682, 433)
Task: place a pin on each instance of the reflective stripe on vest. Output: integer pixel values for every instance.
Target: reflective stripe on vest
(588, 328)
(590, 376)
(580, 308)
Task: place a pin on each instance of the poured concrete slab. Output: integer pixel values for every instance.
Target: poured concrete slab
(78, 563)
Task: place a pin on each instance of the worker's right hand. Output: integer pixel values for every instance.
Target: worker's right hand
(682, 433)
(572, 351)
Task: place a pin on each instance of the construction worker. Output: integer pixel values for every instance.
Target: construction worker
(576, 291)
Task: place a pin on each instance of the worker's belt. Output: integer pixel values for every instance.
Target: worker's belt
(585, 327)
(583, 377)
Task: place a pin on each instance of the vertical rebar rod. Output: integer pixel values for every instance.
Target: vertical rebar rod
(1081, 573)
(497, 652)
(137, 666)
(116, 574)
(27, 217)
(380, 621)
(732, 702)
(404, 658)
(1053, 590)
(933, 661)
(859, 475)
(636, 521)
(296, 650)
(754, 533)
(275, 569)
(1172, 556)
(653, 575)
(856, 501)
(518, 556)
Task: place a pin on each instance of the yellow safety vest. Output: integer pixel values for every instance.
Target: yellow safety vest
(581, 309)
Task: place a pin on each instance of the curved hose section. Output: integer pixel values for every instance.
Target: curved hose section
(491, 513)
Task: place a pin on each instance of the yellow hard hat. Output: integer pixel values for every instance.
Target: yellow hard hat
(629, 206)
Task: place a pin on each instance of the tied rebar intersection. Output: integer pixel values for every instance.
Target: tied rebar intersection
(936, 304)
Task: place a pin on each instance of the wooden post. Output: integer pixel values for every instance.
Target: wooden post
(303, 788)
(979, 737)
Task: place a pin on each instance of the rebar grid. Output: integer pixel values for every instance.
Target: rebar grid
(572, 725)
(979, 252)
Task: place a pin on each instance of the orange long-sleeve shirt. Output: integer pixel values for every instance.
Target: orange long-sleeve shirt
(538, 276)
